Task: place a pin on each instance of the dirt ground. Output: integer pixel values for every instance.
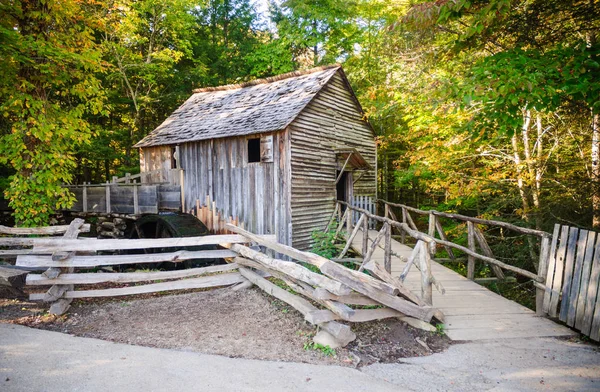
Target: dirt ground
(247, 324)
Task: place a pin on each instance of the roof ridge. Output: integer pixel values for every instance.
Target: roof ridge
(270, 79)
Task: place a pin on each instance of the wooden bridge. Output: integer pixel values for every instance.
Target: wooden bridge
(472, 312)
(568, 271)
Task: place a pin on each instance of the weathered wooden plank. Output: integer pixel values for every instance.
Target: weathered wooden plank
(551, 269)
(585, 280)
(127, 277)
(47, 230)
(591, 302)
(569, 262)
(576, 279)
(294, 270)
(184, 284)
(558, 271)
(357, 281)
(49, 245)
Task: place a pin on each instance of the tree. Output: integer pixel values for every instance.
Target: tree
(48, 86)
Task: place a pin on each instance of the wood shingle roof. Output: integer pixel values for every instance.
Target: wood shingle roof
(259, 106)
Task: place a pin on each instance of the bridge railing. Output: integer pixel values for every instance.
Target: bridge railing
(427, 243)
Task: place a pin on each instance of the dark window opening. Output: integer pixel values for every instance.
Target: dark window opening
(253, 150)
(174, 157)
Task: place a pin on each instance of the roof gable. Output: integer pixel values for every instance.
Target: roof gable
(260, 106)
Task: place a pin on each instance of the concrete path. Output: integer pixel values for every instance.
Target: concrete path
(37, 360)
(472, 311)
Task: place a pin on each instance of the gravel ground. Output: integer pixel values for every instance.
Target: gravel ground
(246, 324)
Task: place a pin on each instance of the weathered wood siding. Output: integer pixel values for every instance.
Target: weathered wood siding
(332, 120)
(155, 158)
(256, 193)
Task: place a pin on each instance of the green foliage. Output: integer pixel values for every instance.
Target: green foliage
(48, 86)
(440, 329)
(326, 350)
(327, 244)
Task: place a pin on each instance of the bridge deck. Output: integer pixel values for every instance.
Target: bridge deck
(472, 311)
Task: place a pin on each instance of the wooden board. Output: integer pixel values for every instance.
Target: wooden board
(184, 284)
(466, 300)
(128, 277)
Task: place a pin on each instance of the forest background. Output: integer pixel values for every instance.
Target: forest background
(486, 108)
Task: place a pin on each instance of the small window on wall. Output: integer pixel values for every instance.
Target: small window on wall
(253, 150)
(174, 157)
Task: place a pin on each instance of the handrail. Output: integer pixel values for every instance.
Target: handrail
(429, 239)
(480, 221)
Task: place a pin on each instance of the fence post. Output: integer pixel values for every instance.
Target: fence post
(349, 220)
(403, 234)
(84, 196)
(107, 188)
(136, 199)
(542, 273)
(387, 258)
(471, 259)
(431, 232)
(426, 277)
(365, 244)
(182, 189)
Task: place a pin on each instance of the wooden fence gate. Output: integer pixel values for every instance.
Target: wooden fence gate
(571, 292)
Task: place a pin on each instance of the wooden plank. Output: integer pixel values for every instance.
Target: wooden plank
(585, 280)
(576, 279)
(569, 262)
(558, 273)
(100, 260)
(47, 230)
(551, 269)
(591, 302)
(127, 277)
(294, 270)
(184, 284)
(48, 245)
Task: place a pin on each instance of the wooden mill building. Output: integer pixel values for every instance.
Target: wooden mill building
(275, 153)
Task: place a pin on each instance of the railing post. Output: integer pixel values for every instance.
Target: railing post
(426, 277)
(107, 188)
(365, 244)
(136, 200)
(84, 196)
(182, 189)
(542, 273)
(471, 259)
(431, 232)
(387, 257)
(403, 234)
(349, 220)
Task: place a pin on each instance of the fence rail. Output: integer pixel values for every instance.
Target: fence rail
(157, 190)
(333, 289)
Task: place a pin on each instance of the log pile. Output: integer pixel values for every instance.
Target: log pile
(333, 289)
